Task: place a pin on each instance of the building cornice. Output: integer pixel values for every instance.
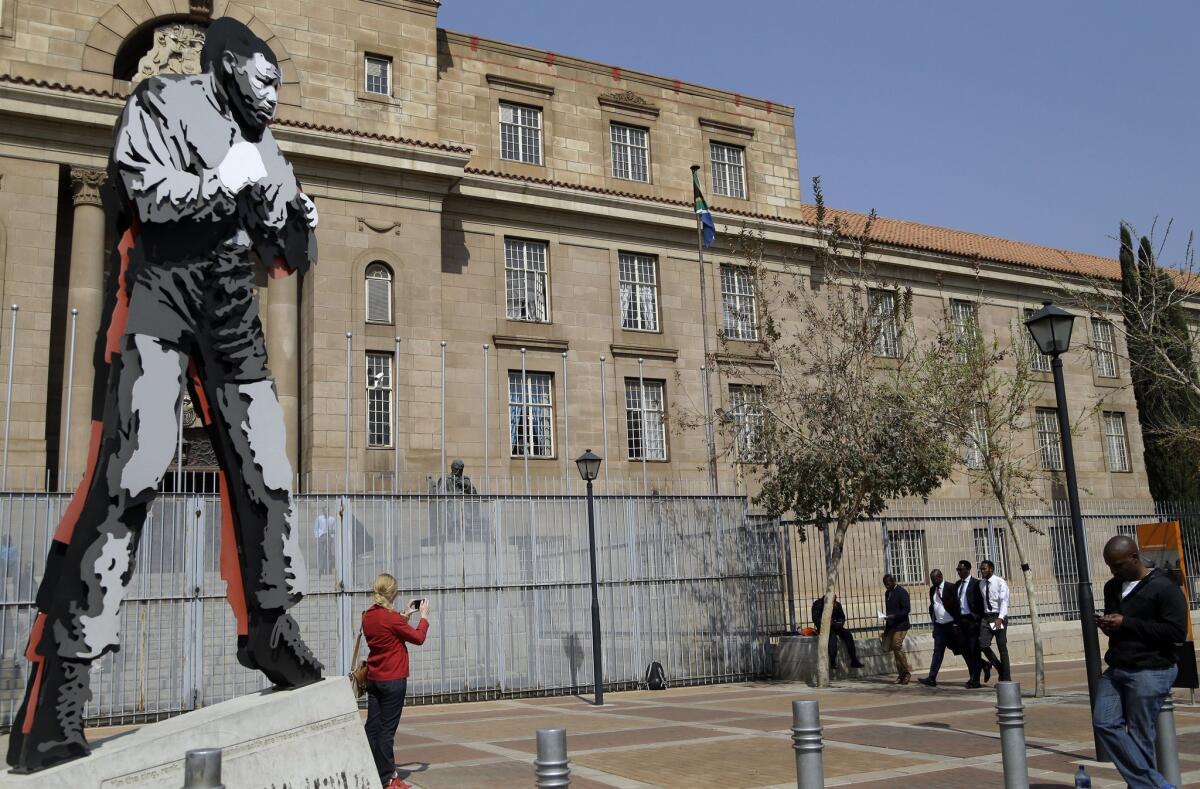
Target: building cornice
(65, 104)
(478, 43)
(521, 343)
(501, 82)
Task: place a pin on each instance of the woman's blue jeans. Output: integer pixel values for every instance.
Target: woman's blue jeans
(385, 702)
(1125, 718)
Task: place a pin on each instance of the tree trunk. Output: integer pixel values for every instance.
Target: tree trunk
(1039, 659)
(825, 627)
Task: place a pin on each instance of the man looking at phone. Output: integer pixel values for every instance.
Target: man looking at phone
(1145, 616)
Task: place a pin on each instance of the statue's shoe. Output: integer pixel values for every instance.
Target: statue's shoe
(56, 731)
(273, 646)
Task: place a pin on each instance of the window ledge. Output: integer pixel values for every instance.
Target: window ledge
(644, 351)
(517, 342)
(377, 98)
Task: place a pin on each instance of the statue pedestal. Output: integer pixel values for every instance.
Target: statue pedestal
(289, 739)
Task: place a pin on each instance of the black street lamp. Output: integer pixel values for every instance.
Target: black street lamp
(589, 466)
(1051, 330)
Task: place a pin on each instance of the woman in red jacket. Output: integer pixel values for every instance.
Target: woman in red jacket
(386, 632)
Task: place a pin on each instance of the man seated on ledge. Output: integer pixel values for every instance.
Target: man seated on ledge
(837, 631)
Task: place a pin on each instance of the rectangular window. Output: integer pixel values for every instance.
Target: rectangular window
(737, 302)
(630, 152)
(963, 318)
(976, 440)
(379, 75)
(883, 321)
(1116, 445)
(747, 409)
(525, 280)
(1038, 361)
(993, 549)
(638, 276)
(530, 414)
(520, 133)
(906, 555)
(728, 170)
(644, 418)
(379, 399)
(1049, 439)
(1106, 349)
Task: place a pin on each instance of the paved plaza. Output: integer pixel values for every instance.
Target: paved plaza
(737, 735)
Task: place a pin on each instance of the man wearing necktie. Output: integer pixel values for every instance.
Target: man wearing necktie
(995, 618)
(970, 607)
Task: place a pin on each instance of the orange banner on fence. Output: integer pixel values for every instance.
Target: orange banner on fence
(1161, 544)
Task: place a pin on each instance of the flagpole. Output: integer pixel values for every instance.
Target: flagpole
(708, 425)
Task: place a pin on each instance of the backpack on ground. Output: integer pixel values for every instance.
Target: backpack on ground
(656, 678)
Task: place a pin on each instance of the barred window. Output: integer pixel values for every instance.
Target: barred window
(644, 418)
(630, 152)
(531, 414)
(1049, 439)
(1102, 341)
(379, 399)
(378, 75)
(638, 276)
(737, 300)
(906, 555)
(747, 411)
(520, 133)
(1038, 361)
(976, 439)
(728, 170)
(1116, 445)
(525, 280)
(379, 293)
(983, 549)
(883, 321)
(962, 316)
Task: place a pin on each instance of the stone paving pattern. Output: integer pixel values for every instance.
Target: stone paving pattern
(723, 736)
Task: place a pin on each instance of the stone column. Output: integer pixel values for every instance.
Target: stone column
(85, 292)
(282, 325)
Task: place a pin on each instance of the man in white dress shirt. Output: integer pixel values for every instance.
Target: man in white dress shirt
(995, 618)
(941, 613)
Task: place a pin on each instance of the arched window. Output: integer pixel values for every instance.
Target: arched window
(379, 293)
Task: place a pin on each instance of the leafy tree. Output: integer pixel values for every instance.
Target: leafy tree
(991, 389)
(1163, 371)
(842, 428)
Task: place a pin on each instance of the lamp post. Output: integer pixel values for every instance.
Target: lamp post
(589, 466)
(1051, 330)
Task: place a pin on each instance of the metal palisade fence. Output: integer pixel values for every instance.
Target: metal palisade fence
(910, 540)
(690, 582)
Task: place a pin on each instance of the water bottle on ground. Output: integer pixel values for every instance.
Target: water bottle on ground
(1081, 779)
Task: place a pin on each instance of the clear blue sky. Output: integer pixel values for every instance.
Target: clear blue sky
(1043, 121)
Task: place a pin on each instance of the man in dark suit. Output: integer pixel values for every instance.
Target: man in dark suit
(838, 630)
(896, 607)
(969, 602)
(942, 609)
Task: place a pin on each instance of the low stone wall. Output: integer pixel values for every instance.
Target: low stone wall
(795, 656)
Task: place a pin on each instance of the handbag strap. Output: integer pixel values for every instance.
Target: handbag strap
(357, 646)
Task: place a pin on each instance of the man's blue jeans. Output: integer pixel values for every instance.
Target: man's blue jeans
(1125, 716)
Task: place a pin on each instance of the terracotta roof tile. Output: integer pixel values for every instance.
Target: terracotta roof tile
(895, 232)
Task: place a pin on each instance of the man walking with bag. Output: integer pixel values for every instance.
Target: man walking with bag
(1145, 616)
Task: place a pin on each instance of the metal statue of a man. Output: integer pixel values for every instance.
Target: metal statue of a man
(197, 189)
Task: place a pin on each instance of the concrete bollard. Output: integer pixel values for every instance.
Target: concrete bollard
(551, 769)
(806, 741)
(1010, 714)
(202, 769)
(1166, 747)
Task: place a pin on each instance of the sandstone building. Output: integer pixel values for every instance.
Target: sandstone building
(474, 193)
